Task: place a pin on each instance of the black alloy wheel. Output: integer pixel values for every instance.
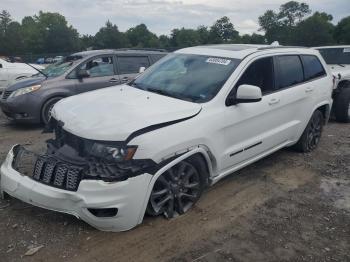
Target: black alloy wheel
(176, 191)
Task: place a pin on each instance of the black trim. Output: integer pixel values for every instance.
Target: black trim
(156, 126)
(245, 149)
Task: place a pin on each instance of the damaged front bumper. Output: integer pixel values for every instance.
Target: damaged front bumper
(107, 206)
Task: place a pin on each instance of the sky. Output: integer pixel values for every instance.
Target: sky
(161, 16)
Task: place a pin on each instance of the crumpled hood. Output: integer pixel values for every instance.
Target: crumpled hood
(114, 113)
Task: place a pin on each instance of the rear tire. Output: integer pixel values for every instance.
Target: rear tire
(47, 107)
(342, 105)
(311, 136)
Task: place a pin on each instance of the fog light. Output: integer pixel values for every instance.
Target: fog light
(103, 212)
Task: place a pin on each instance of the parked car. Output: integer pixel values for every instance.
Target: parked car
(338, 60)
(40, 61)
(58, 59)
(49, 60)
(153, 145)
(31, 100)
(13, 71)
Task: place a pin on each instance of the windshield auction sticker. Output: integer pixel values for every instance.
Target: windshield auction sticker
(219, 61)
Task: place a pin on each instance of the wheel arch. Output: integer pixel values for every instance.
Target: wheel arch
(325, 110)
(345, 83)
(199, 150)
(47, 99)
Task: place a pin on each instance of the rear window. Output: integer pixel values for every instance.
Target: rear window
(132, 64)
(312, 67)
(290, 71)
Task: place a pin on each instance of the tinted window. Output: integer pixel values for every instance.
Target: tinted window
(336, 55)
(312, 67)
(132, 64)
(290, 71)
(259, 73)
(155, 58)
(100, 66)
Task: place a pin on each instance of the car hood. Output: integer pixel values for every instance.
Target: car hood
(25, 83)
(116, 113)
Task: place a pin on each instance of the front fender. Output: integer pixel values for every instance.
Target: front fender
(197, 150)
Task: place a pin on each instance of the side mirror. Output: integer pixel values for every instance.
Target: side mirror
(142, 69)
(245, 94)
(82, 73)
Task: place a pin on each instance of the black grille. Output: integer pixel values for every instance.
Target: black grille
(50, 171)
(6, 94)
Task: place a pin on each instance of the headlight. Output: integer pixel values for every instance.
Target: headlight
(25, 90)
(112, 152)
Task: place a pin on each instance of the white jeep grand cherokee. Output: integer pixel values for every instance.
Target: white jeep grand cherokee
(155, 144)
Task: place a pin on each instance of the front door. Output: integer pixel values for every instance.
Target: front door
(102, 73)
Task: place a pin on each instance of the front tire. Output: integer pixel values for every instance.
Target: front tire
(178, 188)
(342, 105)
(310, 138)
(47, 108)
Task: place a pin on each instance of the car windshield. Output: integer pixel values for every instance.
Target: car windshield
(195, 78)
(60, 67)
(336, 55)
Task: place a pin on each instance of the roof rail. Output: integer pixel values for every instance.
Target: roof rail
(279, 47)
(142, 49)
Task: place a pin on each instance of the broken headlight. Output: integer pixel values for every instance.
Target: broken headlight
(112, 152)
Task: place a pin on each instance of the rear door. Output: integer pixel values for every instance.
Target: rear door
(102, 73)
(129, 66)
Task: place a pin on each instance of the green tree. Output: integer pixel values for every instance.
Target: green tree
(164, 41)
(203, 34)
(315, 30)
(293, 12)
(184, 37)
(87, 42)
(280, 26)
(223, 31)
(5, 20)
(109, 36)
(253, 39)
(14, 41)
(140, 36)
(342, 31)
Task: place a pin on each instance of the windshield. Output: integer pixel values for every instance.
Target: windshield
(189, 77)
(336, 55)
(60, 67)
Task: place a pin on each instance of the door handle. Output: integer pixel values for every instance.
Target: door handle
(113, 80)
(125, 79)
(274, 101)
(309, 90)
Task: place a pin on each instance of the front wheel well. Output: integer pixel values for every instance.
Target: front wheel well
(46, 102)
(344, 84)
(202, 159)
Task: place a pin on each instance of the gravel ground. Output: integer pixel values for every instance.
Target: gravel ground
(286, 207)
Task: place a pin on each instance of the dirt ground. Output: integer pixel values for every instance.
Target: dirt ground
(287, 207)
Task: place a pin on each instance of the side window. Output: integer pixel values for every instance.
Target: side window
(290, 71)
(259, 73)
(132, 64)
(312, 67)
(99, 66)
(155, 58)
